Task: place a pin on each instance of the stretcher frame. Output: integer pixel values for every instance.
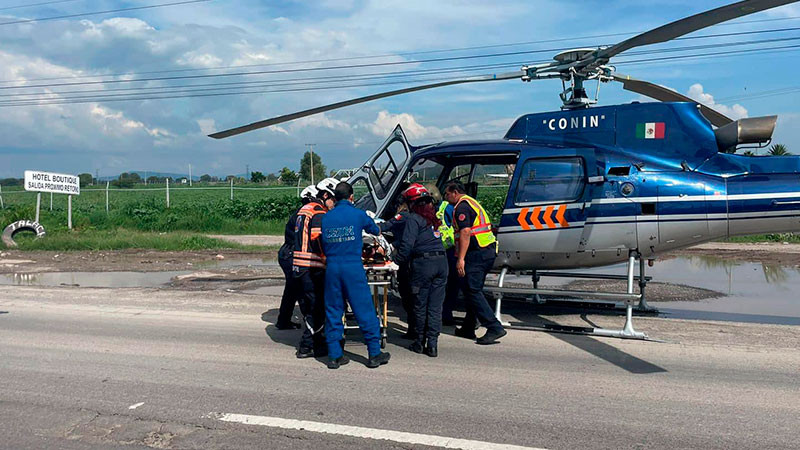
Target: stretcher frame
(381, 278)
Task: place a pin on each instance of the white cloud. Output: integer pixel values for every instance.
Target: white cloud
(317, 121)
(196, 59)
(116, 122)
(385, 123)
(207, 126)
(735, 112)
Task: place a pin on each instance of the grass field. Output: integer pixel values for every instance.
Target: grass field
(197, 209)
(122, 239)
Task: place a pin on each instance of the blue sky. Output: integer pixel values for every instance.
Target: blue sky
(168, 134)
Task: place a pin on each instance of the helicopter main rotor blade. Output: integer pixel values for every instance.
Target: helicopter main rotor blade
(668, 95)
(688, 25)
(337, 105)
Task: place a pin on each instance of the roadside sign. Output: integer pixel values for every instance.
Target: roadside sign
(57, 183)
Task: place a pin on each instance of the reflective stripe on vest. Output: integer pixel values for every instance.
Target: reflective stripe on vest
(481, 227)
(305, 257)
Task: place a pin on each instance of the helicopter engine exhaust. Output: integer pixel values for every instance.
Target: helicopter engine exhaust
(754, 130)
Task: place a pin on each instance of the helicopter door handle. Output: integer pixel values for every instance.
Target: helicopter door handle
(597, 179)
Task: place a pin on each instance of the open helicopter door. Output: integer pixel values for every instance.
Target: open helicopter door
(374, 182)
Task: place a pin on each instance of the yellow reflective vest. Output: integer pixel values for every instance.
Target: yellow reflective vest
(448, 235)
(481, 227)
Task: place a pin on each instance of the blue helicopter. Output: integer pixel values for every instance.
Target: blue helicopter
(592, 186)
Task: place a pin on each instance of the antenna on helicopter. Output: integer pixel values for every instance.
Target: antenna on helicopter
(575, 67)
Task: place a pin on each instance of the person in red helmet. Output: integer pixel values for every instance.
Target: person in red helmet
(421, 247)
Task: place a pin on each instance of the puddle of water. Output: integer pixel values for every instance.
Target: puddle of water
(90, 279)
(753, 289)
(754, 292)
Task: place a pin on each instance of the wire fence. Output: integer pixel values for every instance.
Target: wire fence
(110, 197)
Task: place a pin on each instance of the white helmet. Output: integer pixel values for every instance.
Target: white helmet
(309, 192)
(328, 185)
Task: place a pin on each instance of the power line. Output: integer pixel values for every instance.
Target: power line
(96, 13)
(706, 36)
(31, 5)
(329, 79)
(12, 103)
(340, 67)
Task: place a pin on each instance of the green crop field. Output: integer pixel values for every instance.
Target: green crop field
(202, 208)
(140, 218)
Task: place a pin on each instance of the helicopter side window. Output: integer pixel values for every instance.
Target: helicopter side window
(550, 181)
(385, 168)
(363, 198)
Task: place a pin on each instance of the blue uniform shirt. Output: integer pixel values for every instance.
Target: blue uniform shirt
(341, 231)
(418, 238)
(448, 215)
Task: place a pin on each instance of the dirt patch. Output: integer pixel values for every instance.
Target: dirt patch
(654, 292)
(764, 252)
(250, 239)
(230, 280)
(134, 260)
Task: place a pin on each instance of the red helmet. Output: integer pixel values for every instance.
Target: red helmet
(415, 192)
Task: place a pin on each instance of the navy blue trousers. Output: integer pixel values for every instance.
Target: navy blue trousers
(312, 305)
(477, 265)
(291, 290)
(428, 282)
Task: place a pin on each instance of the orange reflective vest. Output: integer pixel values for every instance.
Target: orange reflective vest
(481, 227)
(307, 231)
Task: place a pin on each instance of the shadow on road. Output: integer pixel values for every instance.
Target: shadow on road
(532, 316)
(610, 354)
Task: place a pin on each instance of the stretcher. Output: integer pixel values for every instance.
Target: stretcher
(381, 277)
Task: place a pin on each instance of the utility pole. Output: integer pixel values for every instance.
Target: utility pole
(190, 175)
(247, 170)
(96, 176)
(311, 149)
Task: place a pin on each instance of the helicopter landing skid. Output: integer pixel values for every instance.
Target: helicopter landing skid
(629, 298)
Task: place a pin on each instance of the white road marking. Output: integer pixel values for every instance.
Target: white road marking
(136, 405)
(367, 433)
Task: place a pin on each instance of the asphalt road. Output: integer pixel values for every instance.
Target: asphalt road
(100, 368)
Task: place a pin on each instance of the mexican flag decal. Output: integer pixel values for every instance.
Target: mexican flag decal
(650, 130)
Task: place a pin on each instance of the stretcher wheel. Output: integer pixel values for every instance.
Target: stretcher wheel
(383, 342)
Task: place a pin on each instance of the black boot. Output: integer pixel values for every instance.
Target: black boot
(304, 352)
(378, 360)
(432, 350)
(415, 347)
(491, 336)
(465, 332)
(336, 363)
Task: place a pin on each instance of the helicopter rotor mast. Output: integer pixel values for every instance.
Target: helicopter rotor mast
(574, 66)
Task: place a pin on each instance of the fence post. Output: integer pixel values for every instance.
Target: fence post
(231, 188)
(2, 206)
(107, 183)
(167, 192)
(51, 201)
(38, 205)
(69, 211)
